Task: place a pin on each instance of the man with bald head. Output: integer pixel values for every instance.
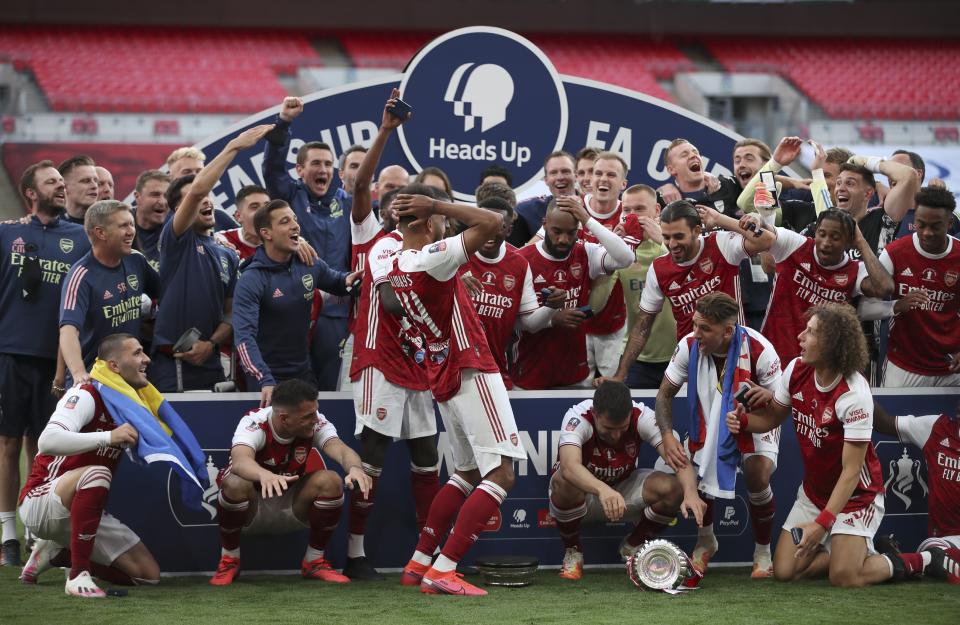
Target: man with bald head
(104, 183)
(391, 177)
(563, 262)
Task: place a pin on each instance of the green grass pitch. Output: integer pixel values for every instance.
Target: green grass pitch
(604, 596)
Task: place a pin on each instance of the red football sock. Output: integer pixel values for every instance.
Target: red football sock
(442, 512)
(111, 574)
(568, 523)
(323, 516)
(482, 504)
(233, 516)
(651, 524)
(762, 508)
(425, 484)
(361, 506)
(85, 514)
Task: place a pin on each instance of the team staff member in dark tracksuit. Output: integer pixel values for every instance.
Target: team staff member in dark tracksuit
(324, 216)
(34, 258)
(271, 311)
(103, 293)
(197, 279)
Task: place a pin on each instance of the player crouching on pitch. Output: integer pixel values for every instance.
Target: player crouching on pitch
(266, 488)
(839, 506)
(596, 477)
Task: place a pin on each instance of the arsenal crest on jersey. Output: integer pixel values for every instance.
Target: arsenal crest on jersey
(950, 278)
(841, 279)
(509, 282)
(706, 265)
(577, 270)
(827, 415)
(300, 454)
(631, 449)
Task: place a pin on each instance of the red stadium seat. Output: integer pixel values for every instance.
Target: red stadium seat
(185, 68)
(858, 78)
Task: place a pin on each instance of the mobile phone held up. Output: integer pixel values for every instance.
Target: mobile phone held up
(400, 109)
(741, 395)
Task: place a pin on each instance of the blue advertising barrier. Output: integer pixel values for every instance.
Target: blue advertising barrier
(481, 96)
(184, 540)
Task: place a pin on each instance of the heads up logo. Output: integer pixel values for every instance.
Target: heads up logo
(482, 96)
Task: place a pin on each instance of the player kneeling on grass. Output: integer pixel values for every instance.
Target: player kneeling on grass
(266, 488)
(64, 499)
(839, 506)
(596, 478)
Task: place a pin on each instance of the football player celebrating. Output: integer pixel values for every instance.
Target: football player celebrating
(464, 379)
(839, 506)
(596, 478)
(267, 488)
(714, 360)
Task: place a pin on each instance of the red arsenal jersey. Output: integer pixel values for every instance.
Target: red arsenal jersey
(434, 298)
(283, 456)
(802, 282)
(507, 293)
(716, 267)
(938, 436)
(921, 338)
(824, 418)
(610, 464)
(235, 238)
(79, 410)
(614, 314)
(378, 340)
(558, 356)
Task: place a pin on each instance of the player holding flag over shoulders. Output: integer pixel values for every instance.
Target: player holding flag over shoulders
(839, 506)
(714, 360)
(65, 497)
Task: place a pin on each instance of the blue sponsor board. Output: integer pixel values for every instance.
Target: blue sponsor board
(481, 96)
(186, 540)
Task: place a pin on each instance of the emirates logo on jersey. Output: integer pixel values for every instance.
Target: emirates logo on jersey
(509, 282)
(706, 265)
(950, 278)
(577, 270)
(841, 279)
(300, 454)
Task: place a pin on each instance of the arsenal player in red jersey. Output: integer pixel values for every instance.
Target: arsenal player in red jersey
(562, 261)
(596, 478)
(830, 529)
(501, 285)
(64, 500)
(266, 488)
(245, 239)
(464, 378)
(924, 344)
(817, 270)
(696, 265)
(391, 396)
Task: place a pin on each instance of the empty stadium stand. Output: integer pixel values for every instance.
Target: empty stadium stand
(157, 69)
(857, 78)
